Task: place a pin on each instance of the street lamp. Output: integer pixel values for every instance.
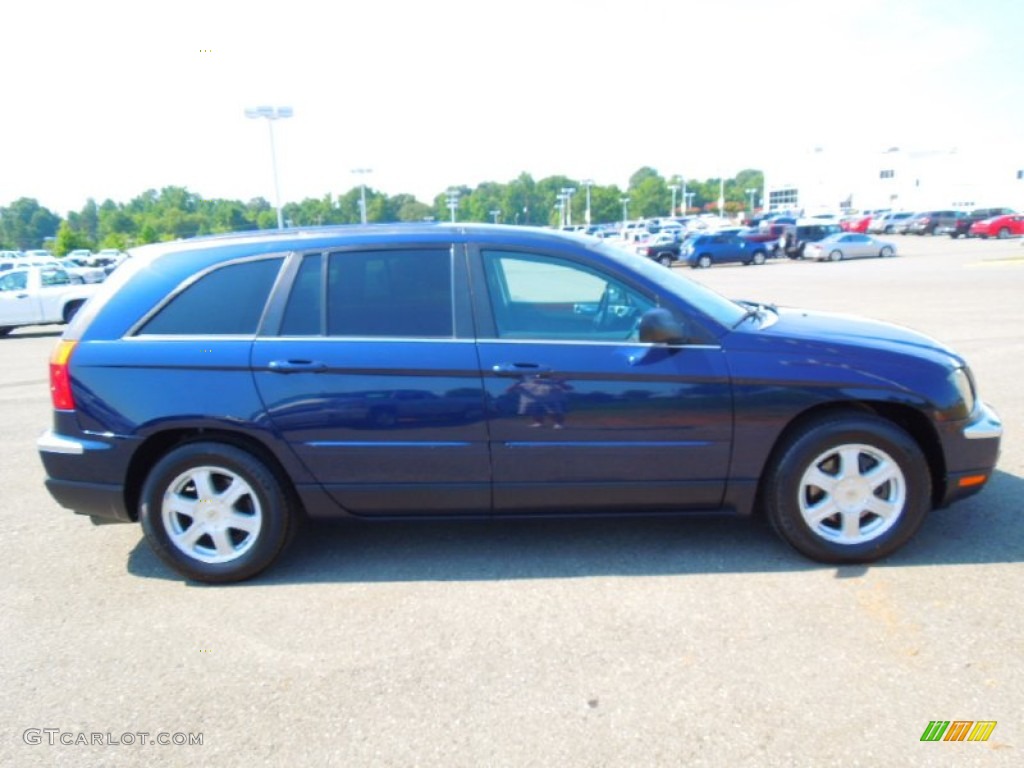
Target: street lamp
(496, 213)
(625, 210)
(753, 193)
(684, 198)
(560, 207)
(674, 188)
(272, 114)
(361, 172)
(588, 183)
(568, 192)
(453, 202)
(721, 197)
(689, 199)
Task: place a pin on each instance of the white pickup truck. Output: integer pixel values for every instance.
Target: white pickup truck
(39, 296)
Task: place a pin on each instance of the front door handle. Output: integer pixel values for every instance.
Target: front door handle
(296, 366)
(519, 369)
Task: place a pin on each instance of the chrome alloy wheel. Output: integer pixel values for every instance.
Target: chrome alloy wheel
(852, 494)
(211, 514)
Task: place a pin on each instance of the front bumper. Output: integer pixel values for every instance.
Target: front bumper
(973, 455)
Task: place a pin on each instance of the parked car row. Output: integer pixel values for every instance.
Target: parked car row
(981, 222)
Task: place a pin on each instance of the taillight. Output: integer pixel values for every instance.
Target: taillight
(60, 378)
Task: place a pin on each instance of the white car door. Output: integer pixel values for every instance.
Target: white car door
(17, 305)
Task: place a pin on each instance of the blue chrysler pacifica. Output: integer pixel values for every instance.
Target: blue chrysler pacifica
(217, 390)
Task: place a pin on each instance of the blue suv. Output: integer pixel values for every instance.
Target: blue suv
(722, 248)
(219, 390)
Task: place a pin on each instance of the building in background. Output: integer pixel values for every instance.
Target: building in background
(824, 180)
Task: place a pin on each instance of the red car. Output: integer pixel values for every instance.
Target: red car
(855, 224)
(999, 226)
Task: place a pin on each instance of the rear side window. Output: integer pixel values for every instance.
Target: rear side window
(225, 301)
(402, 294)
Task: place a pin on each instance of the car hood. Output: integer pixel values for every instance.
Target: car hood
(838, 331)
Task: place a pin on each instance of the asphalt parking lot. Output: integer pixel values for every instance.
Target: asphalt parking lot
(559, 643)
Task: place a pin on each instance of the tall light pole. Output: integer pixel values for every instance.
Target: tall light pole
(674, 188)
(721, 197)
(685, 198)
(361, 173)
(496, 213)
(689, 199)
(453, 202)
(560, 207)
(568, 192)
(752, 193)
(625, 210)
(272, 114)
(588, 183)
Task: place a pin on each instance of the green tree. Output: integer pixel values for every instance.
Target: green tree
(25, 224)
(68, 240)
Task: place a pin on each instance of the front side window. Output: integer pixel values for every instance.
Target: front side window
(228, 300)
(539, 297)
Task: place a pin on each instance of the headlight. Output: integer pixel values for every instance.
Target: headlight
(961, 379)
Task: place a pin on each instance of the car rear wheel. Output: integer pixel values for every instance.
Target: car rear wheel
(835, 256)
(1003, 233)
(885, 252)
(848, 489)
(704, 261)
(665, 260)
(214, 512)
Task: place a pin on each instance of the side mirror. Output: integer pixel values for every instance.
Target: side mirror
(659, 326)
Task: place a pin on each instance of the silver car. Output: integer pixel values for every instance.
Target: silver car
(849, 245)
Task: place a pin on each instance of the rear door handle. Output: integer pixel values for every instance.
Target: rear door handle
(297, 366)
(519, 369)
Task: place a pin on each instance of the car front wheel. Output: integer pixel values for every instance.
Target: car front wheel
(1003, 233)
(848, 489)
(214, 512)
(704, 262)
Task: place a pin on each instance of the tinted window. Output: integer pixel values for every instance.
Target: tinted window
(305, 303)
(405, 294)
(228, 300)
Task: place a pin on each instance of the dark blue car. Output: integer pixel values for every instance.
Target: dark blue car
(219, 389)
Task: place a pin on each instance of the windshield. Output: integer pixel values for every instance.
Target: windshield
(723, 311)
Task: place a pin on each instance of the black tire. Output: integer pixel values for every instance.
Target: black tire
(853, 533)
(1003, 233)
(262, 514)
(758, 258)
(835, 256)
(954, 235)
(71, 309)
(885, 253)
(6, 329)
(704, 261)
(665, 260)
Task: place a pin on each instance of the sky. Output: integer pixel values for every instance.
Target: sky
(106, 99)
